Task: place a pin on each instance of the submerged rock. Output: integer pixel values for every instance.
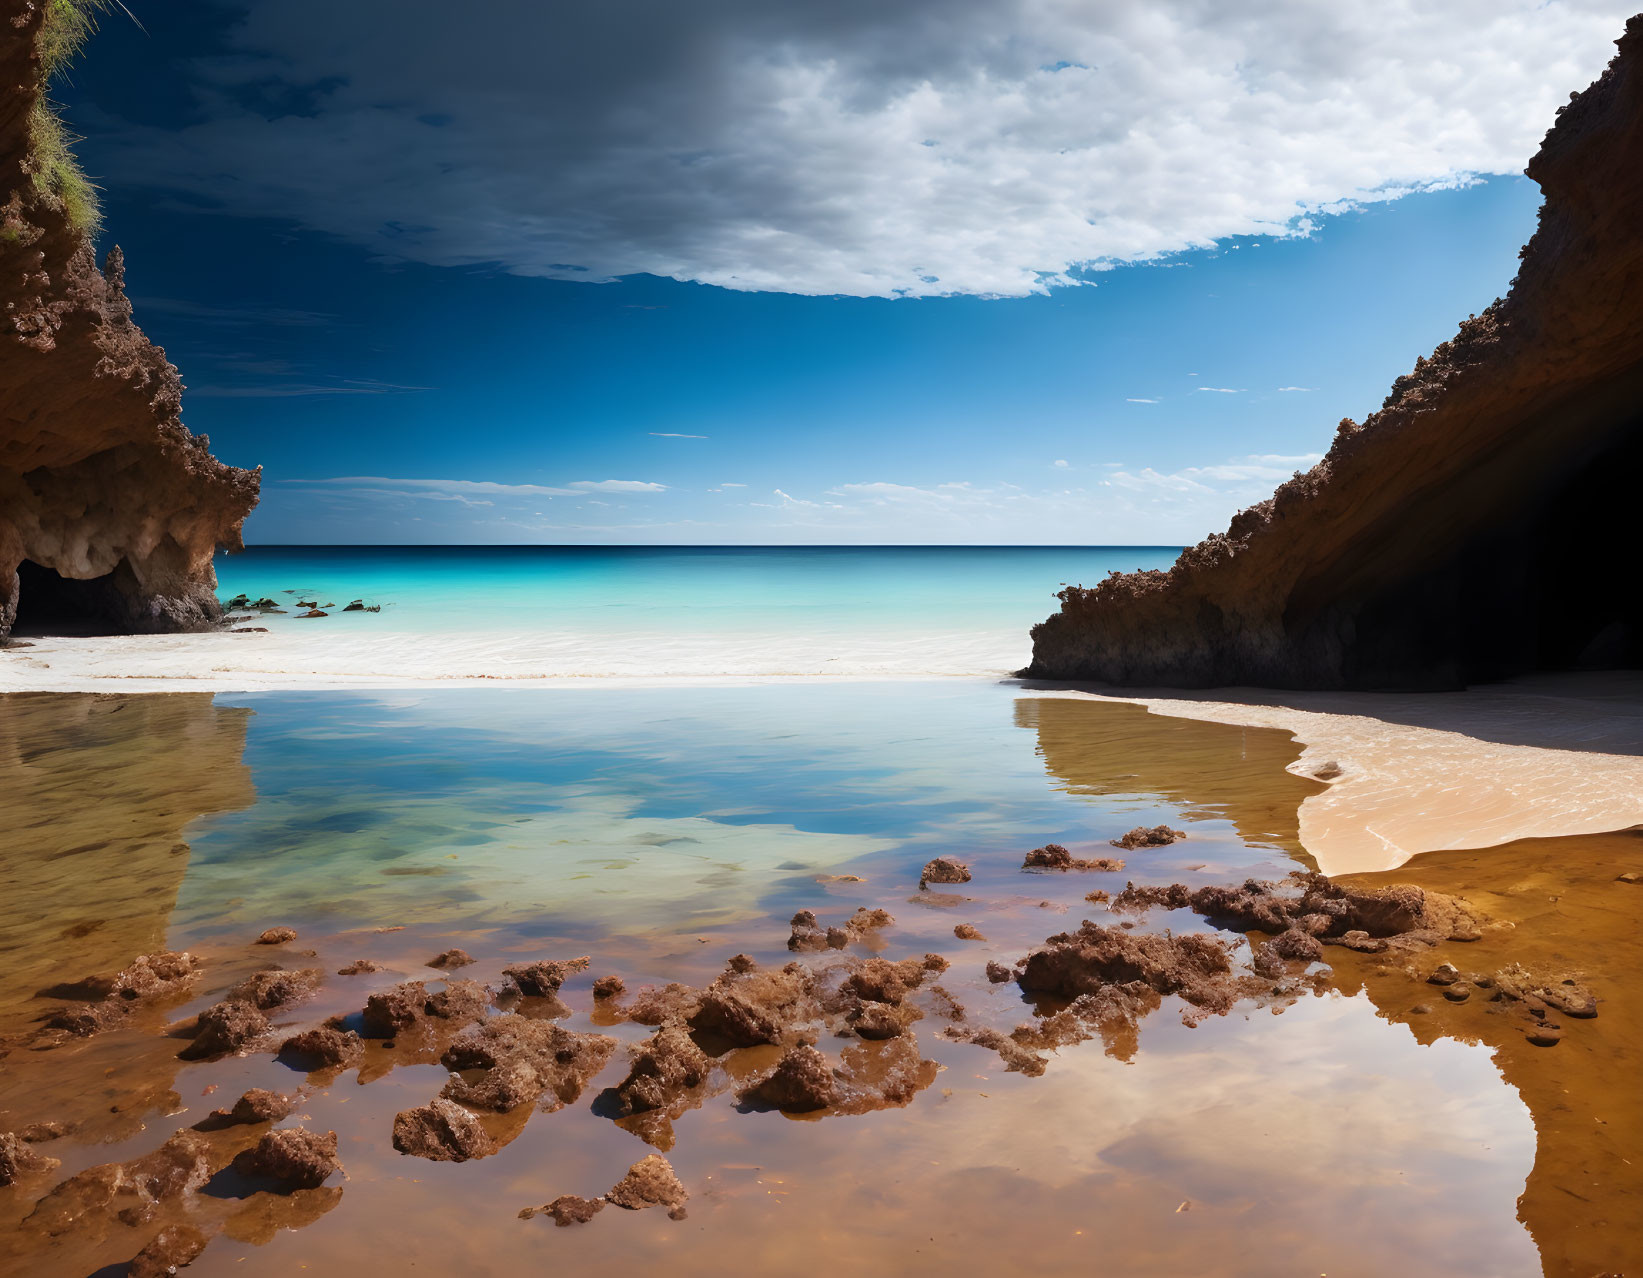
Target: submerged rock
(277, 936)
(173, 1248)
(148, 979)
(131, 1191)
(18, 1160)
(568, 1209)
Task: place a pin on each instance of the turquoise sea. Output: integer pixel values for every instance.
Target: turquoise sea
(649, 612)
(702, 588)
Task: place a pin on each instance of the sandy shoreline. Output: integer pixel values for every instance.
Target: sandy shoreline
(1424, 772)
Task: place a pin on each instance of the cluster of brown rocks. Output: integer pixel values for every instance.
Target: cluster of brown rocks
(506, 1052)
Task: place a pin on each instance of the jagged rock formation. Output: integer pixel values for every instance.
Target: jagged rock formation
(1479, 525)
(110, 508)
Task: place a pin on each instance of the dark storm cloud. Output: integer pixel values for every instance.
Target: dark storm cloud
(923, 147)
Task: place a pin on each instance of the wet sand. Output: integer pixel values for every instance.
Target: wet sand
(1565, 909)
(1313, 1133)
(1412, 773)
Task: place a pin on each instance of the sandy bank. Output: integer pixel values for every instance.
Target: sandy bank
(1423, 772)
(370, 656)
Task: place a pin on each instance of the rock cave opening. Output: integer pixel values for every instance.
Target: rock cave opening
(51, 604)
(1550, 586)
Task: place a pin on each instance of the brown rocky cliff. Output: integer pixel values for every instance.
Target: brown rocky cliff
(100, 482)
(1481, 524)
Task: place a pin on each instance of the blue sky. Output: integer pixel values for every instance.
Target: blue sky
(451, 375)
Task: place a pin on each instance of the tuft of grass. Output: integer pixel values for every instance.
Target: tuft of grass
(64, 30)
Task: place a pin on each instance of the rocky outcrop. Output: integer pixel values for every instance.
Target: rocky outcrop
(1478, 525)
(110, 509)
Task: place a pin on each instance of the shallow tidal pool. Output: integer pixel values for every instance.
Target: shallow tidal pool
(660, 831)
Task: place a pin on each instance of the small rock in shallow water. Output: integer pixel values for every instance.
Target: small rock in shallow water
(968, 932)
(275, 987)
(802, 1080)
(18, 1160)
(1457, 993)
(277, 936)
(40, 1133)
(294, 1156)
(650, 1182)
(1545, 1035)
(1444, 974)
(323, 1047)
(542, 980)
(358, 968)
(442, 1131)
(257, 1106)
(223, 1028)
(450, 959)
(607, 987)
(943, 869)
(568, 1209)
(1631, 876)
(172, 1248)
(664, 1067)
(1158, 836)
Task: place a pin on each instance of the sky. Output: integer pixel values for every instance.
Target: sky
(944, 271)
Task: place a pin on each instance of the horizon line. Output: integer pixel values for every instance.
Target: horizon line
(703, 545)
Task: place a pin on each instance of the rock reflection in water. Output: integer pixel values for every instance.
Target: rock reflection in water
(97, 793)
(1561, 910)
(1370, 1152)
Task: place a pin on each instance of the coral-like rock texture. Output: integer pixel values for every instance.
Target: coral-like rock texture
(1478, 525)
(110, 509)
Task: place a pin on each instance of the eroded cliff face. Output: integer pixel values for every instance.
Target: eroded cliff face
(1480, 525)
(109, 506)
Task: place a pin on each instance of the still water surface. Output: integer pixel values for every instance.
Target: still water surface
(661, 831)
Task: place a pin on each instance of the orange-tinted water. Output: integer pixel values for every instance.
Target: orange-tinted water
(663, 832)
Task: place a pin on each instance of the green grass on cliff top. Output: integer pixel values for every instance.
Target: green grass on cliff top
(66, 27)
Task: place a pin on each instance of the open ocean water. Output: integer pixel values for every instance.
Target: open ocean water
(663, 610)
